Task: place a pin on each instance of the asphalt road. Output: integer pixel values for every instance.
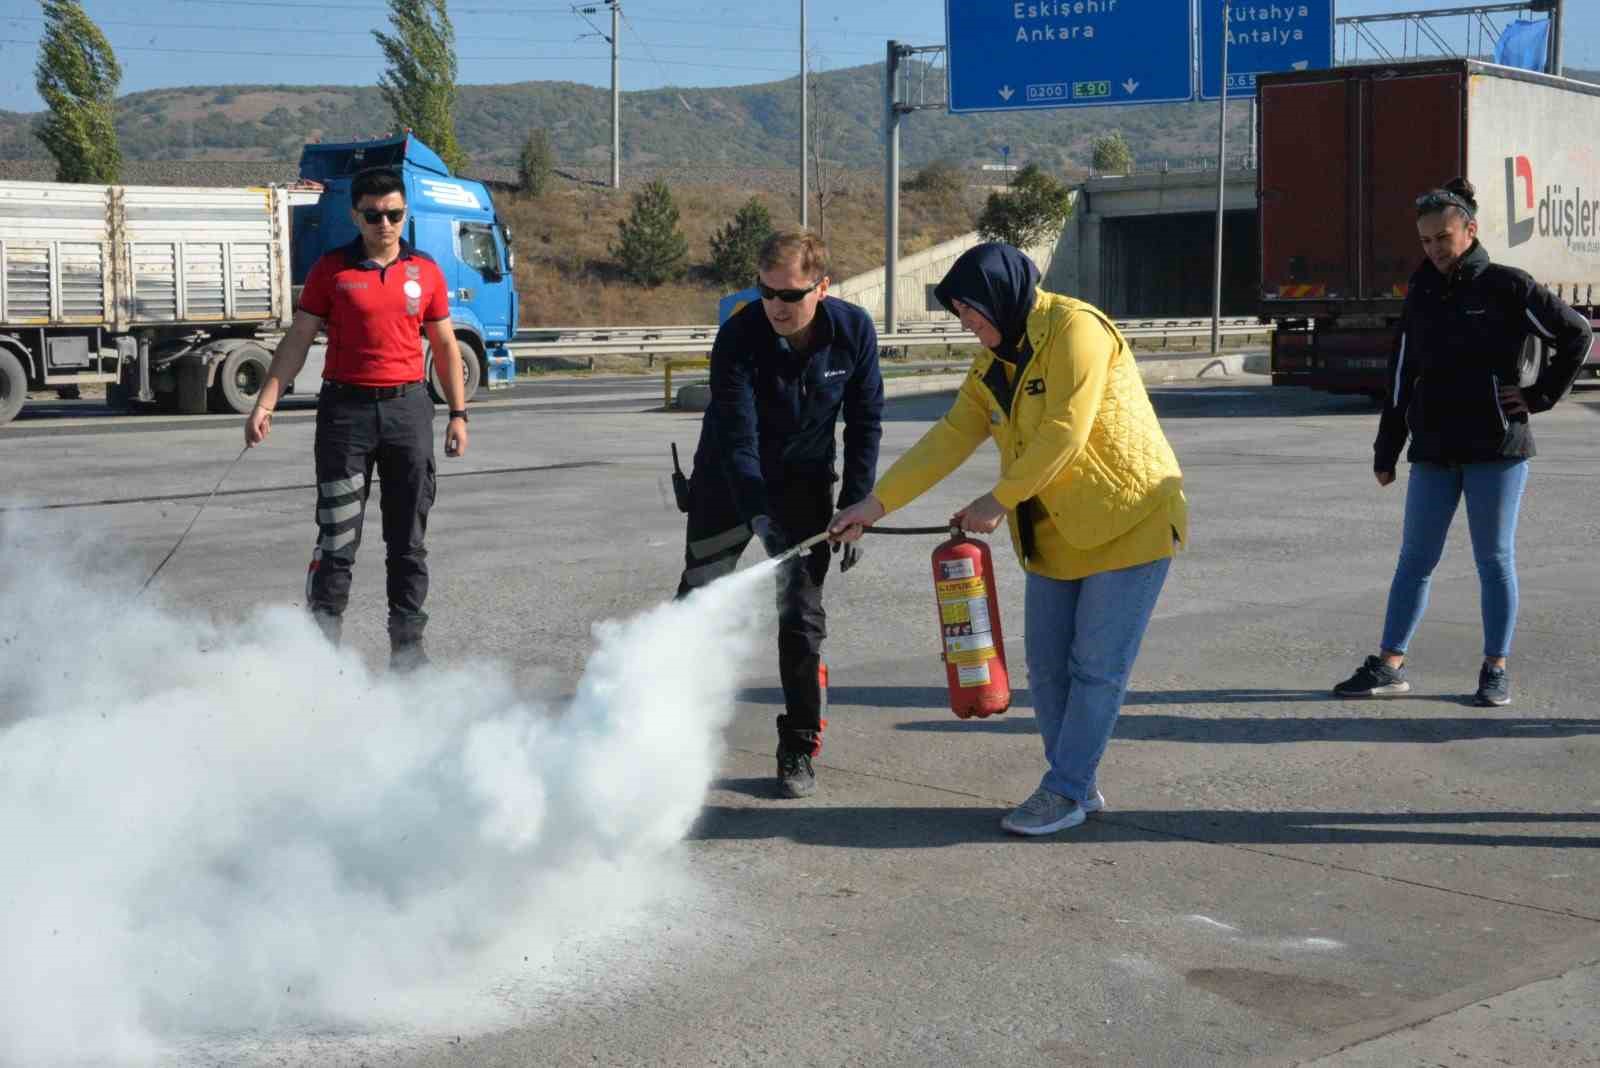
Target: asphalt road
(1279, 876)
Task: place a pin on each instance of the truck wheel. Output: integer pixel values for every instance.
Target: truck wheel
(13, 386)
(240, 378)
(471, 368)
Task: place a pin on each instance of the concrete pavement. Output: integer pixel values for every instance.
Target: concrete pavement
(1279, 877)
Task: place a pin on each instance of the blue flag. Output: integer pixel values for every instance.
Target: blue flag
(1525, 44)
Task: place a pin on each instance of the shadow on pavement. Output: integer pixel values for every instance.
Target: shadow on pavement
(1253, 400)
(1231, 398)
(1250, 730)
(889, 827)
(931, 697)
(1364, 721)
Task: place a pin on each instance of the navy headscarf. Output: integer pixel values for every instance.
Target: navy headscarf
(997, 281)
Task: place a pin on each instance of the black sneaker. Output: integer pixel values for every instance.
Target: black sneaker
(1374, 679)
(1494, 687)
(406, 657)
(795, 775)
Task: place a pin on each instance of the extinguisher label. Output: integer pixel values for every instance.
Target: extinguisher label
(957, 569)
(969, 648)
(968, 632)
(973, 674)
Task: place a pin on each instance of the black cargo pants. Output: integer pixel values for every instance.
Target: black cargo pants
(359, 429)
(717, 537)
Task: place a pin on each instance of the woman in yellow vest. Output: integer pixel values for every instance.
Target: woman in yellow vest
(1091, 491)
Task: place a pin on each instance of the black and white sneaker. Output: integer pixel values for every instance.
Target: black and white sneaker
(1494, 687)
(1374, 679)
(796, 777)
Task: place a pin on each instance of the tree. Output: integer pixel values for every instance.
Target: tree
(1112, 154)
(419, 84)
(734, 246)
(825, 177)
(77, 75)
(942, 178)
(536, 162)
(1034, 209)
(650, 247)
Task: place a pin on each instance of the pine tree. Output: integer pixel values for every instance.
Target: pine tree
(650, 247)
(536, 163)
(734, 246)
(419, 84)
(77, 75)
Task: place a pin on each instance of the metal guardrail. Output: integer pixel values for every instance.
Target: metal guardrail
(675, 340)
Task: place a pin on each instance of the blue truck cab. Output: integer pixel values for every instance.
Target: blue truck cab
(451, 219)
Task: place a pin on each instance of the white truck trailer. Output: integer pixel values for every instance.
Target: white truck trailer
(161, 294)
(1345, 152)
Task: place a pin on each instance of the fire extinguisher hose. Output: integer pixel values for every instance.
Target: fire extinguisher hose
(949, 529)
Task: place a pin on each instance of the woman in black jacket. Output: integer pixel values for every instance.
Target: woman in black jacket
(1455, 390)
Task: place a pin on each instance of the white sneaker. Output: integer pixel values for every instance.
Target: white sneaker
(1046, 813)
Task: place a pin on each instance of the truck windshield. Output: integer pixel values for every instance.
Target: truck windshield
(478, 249)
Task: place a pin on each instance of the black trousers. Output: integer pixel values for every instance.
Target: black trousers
(717, 538)
(356, 434)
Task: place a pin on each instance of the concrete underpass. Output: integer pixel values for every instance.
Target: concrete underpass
(1144, 246)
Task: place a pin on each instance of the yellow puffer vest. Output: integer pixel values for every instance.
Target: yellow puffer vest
(1127, 469)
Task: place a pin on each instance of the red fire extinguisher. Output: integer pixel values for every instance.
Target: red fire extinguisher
(969, 625)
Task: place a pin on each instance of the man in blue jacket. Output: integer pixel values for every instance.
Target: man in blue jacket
(782, 372)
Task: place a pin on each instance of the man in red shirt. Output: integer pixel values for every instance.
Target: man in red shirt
(375, 298)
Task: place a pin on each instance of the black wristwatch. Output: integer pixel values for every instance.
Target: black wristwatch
(459, 413)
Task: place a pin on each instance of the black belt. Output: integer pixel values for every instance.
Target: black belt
(345, 389)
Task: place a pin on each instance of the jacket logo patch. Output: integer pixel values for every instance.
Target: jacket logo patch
(1034, 387)
(836, 374)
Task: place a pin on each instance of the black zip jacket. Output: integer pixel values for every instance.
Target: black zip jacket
(1461, 339)
(774, 411)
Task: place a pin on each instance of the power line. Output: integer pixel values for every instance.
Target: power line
(642, 44)
(368, 33)
(347, 55)
(743, 28)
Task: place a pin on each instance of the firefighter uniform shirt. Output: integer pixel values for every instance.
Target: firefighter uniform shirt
(373, 315)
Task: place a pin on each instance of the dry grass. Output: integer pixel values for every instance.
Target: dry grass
(566, 276)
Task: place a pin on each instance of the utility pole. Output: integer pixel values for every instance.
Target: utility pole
(616, 99)
(891, 183)
(1555, 38)
(1222, 183)
(805, 126)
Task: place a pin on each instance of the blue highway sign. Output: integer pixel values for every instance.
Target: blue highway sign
(1017, 55)
(1268, 36)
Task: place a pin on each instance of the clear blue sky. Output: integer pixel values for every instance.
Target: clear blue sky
(163, 43)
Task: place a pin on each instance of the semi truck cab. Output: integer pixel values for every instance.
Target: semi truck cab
(452, 219)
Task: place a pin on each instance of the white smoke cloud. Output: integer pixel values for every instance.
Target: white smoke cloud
(209, 828)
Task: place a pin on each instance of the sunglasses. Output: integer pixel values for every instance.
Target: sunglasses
(394, 215)
(788, 296)
(1439, 199)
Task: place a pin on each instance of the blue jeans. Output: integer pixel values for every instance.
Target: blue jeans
(1494, 495)
(1082, 637)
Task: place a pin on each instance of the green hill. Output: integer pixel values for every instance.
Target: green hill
(740, 126)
